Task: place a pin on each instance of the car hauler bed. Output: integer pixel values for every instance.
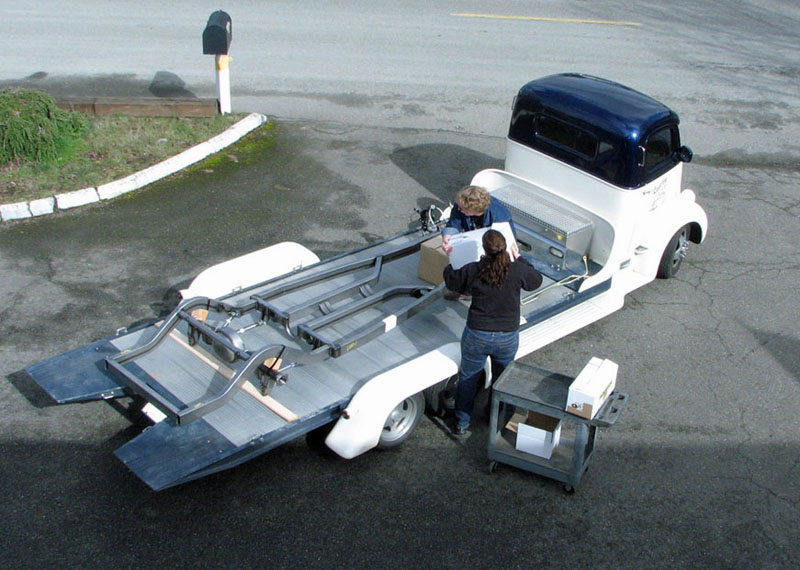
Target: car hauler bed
(238, 376)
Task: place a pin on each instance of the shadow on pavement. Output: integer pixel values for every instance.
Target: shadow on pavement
(442, 169)
(163, 84)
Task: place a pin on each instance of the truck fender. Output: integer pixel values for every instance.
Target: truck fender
(682, 212)
(359, 428)
(249, 269)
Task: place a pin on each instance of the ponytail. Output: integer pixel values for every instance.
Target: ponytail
(496, 263)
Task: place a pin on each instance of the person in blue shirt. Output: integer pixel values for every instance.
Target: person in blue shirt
(474, 209)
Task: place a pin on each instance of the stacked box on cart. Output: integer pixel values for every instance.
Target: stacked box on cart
(592, 387)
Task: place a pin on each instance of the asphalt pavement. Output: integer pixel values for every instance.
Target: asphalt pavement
(701, 470)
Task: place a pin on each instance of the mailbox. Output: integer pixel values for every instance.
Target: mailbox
(218, 33)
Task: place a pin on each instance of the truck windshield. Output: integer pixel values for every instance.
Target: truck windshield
(660, 147)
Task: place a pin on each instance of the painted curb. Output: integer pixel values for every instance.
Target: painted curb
(77, 198)
(69, 200)
(42, 206)
(15, 211)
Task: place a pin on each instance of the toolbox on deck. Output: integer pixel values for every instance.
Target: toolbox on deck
(555, 232)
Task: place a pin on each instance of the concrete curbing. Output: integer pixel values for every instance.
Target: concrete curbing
(15, 211)
(69, 200)
(42, 206)
(77, 198)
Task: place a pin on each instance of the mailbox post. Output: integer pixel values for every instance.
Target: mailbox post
(216, 41)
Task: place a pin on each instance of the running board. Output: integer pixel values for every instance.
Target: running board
(538, 335)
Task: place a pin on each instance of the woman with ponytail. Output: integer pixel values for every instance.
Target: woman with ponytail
(494, 283)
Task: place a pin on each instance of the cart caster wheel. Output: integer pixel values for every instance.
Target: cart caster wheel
(492, 467)
(569, 489)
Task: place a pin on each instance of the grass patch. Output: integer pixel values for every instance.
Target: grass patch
(32, 127)
(110, 147)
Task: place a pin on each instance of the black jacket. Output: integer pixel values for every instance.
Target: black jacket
(493, 309)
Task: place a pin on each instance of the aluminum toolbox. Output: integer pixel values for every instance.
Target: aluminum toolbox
(555, 233)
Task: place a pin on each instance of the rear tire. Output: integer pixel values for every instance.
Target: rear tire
(674, 254)
(402, 421)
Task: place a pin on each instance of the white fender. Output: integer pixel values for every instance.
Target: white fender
(660, 230)
(249, 269)
(359, 428)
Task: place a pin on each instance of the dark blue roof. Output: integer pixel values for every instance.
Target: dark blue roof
(619, 110)
(598, 126)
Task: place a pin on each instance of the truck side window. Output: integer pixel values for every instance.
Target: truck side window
(659, 148)
(608, 164)
(567, 136)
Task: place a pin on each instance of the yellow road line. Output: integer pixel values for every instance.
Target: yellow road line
(543, 19)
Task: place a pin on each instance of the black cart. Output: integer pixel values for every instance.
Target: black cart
(523, 387)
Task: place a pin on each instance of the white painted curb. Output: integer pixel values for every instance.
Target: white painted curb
(42, 206)
(135, 181)
(14, 211)
(76, 198)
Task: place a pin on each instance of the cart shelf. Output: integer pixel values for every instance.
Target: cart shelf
(528, 387)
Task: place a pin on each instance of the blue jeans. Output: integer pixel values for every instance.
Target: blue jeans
(476, 346)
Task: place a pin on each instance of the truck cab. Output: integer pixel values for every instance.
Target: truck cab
(611, 155)
(608, 130)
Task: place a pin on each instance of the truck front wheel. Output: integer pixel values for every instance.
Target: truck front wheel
(674, 254)
(402, 421)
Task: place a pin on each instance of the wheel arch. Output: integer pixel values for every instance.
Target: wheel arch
(359, 428)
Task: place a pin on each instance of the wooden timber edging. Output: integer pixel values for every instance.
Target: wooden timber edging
(142, 106)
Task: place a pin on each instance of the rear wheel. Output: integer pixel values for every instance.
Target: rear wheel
(674, 254)
(402, 421)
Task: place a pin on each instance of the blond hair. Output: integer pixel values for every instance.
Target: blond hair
(473, 198)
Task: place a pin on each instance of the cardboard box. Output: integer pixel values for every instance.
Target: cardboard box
(432, 260)
(538, 434)
(468, 246)
(591, 388)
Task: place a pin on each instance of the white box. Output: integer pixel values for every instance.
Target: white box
(468, 246)
(538, 435)
(591, 388)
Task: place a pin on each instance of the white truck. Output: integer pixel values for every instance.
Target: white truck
(276, 344)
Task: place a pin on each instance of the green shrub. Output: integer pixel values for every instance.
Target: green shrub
(33, 128)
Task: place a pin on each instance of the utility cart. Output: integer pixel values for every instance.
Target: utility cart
(523, 387)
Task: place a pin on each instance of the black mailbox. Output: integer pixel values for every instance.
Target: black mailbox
(218, 33)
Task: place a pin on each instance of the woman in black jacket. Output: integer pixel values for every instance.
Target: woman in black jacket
(494, 283)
